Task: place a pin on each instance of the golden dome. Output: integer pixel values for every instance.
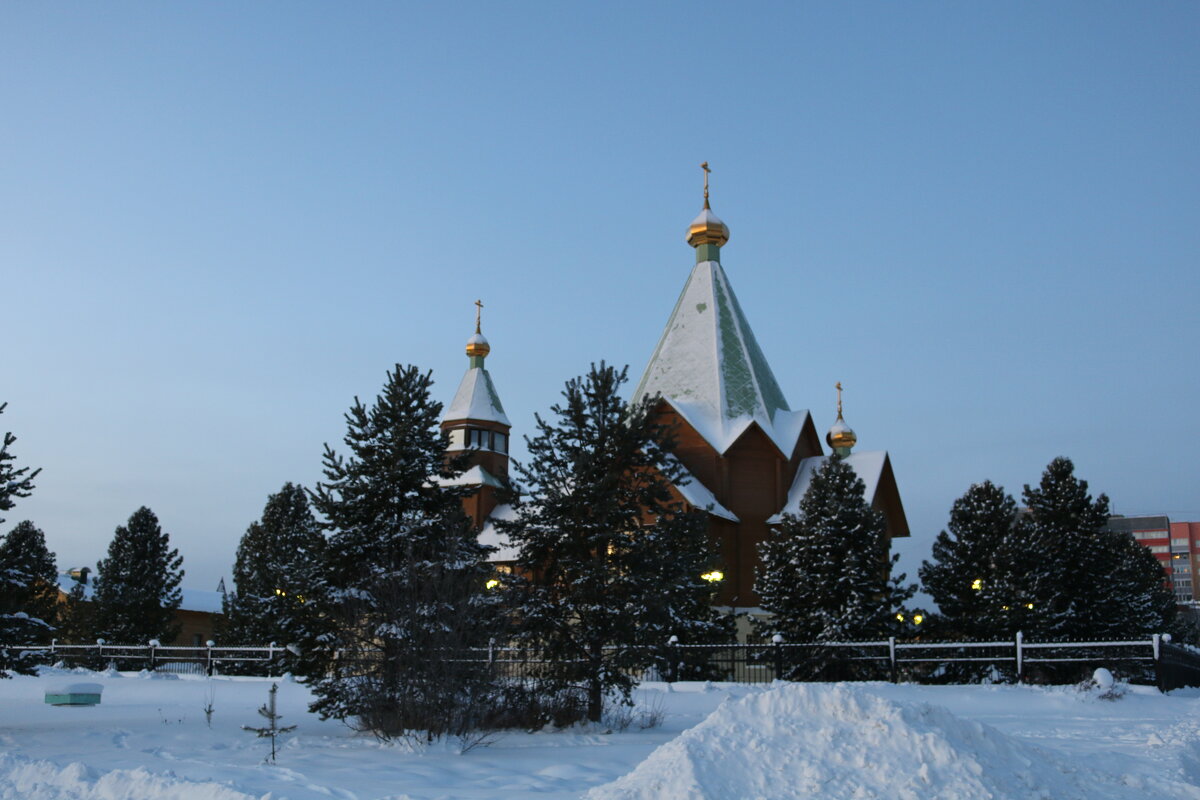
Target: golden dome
(707, 229)
(477, 346)
(841, 435)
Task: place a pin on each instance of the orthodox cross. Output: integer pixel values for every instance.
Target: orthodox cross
(478, 308)
(839, 390)
(704, 167)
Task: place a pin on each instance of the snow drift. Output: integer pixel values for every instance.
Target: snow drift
(836, 741)
(23, 779)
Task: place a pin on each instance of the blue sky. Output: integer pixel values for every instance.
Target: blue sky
(220, 222)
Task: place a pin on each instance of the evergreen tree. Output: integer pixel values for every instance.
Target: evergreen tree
(613, 561)
(278, 561)
(1082, 580)
(14, 483)
(137, 588)
(15, 626)
(402, 593)
(825, 573)
(29, 579)
(971, 575)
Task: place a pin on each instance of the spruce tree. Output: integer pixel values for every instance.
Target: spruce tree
(971, 575)
(278, 560)
(825, 573)
(15, 626)
(402, 595)
(137, 586)
(612, 561)
(29, 578)
(14, 483)
(1075, 578)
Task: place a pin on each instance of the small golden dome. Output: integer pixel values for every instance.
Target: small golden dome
(841, 435)
(707, 229)
(477, 346)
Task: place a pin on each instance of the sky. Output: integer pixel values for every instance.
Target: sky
(222, 222)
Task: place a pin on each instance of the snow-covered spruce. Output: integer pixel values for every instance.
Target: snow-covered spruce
(613, 561)
(826, 573)
(137, 585)
(401, 592)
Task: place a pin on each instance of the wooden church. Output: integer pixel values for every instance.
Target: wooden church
(748, 455)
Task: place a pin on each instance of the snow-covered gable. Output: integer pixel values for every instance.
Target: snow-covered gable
(709, 366)
(868, 465)
(698, 495)
(475, 476)
(476, 398)
(492, 537)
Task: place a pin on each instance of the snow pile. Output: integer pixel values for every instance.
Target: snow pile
(24, 779)
(837, 741)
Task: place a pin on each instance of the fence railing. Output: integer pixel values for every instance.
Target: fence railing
(208, 659)
(1154, 659)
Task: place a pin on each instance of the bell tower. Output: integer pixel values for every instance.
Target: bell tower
(475, 423)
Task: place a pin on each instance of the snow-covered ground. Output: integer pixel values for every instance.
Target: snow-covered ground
(149, 739)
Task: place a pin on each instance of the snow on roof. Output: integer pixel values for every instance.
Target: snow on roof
(476, 398)
(475, 476)
(868, 465)
(699, 496)
(709, 366)
(193, 599)
(493, 538)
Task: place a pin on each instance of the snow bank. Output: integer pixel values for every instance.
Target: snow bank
(24, 779)
(836, 741)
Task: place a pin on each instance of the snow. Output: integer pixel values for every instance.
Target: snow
(475, 476)
(709, 366)
(476, 398)
(489, 535)
(868, 465)
(149, 739)
(698, 495)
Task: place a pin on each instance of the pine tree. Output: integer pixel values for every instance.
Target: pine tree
(825, 573)
(29, 579)
(14, 483)
(971, 575)
(402, 593)
(278, 561)
(1082, 580)
(137, 586)
(614, 563)
(15, 625)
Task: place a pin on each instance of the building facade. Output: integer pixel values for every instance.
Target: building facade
(1176, 545)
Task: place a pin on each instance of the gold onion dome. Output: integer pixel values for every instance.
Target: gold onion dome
(841, 436)
(707, 228)
(477, 346)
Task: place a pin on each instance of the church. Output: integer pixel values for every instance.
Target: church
(748, 456)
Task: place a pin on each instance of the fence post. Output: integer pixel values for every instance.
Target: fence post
(100, 652)
(892, 658)
(672, 658)
(153, 660)
(208, 666)
(777, 646)
(491, 650)
(1020, 657)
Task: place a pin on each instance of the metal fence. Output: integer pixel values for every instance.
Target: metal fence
(1153, 660)
(207, 660)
